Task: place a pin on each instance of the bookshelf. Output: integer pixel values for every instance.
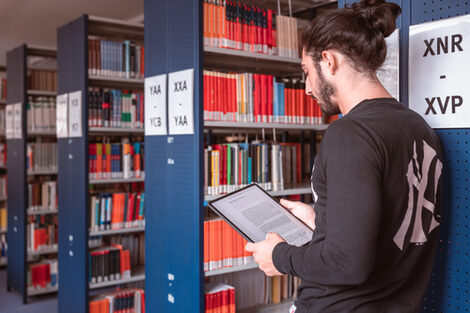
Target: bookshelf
(21, 69)
(76, 68)
(175, 279)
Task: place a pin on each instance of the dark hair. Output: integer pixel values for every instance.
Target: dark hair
(358, 32)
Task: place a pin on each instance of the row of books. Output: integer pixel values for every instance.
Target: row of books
(116, 160)
(43, 274)
(129, 300)
(274, 166)
(219, 298)
(3, 90)
(41, 233)
(41, 114)
(249, 97)
(43, 80)
(115, 58)
(223, 246)
(240, 26)
(135, 243)
(109, 263)
(3, 219)
(3, 246)
(42, 196)
(115, 108)
(117, 211)
(3, 186)
(41, 156)
(2, 121)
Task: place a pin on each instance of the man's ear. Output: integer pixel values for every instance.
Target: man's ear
(330, 60)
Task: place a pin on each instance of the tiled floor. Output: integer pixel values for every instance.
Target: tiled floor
(11, 302)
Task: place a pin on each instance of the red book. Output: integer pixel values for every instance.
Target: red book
(211, 95)
(264, 98)
(245, 38)
(252, 19)
(234, 96)
(270, 82)
(205, 95)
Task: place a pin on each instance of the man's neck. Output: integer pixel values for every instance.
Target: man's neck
(357, 90)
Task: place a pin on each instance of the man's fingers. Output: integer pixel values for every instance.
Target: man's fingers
(287, 204)
(250, 247)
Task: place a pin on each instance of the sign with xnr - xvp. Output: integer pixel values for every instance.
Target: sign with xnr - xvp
(439, 72)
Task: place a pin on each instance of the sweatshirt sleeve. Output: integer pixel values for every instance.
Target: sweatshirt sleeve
(346, 256)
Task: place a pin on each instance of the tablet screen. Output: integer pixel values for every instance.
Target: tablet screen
(254, 213)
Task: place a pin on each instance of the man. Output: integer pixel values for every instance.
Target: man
(376, 179)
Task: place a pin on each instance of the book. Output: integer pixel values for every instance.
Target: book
(3, 219)
(3, 186)
(41, 233)
(109, 263)
(42, 196)
(41, 114)
(42, 80)
(115, 108)
(251, 97)
(41, 156)
(219, 297)
(43, 274)
(117, 211)
(223, 246)
(119, 301)
(116, 160)
(3, 89)
(120, 59)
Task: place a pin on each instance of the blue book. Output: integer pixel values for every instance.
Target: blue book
(128, 69)
(281, 101)
(142, 204)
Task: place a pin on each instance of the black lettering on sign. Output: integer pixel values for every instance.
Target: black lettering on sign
(442, 45)
(456, 102)
(155, 90)
(181, 120)
(156, 121)
(180, 86)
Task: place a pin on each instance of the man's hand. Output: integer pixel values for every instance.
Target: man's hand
(303, 211)
(263, 253)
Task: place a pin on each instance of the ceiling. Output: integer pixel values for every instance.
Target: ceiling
(35, 22)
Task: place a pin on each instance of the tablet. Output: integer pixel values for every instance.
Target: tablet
(253, 213)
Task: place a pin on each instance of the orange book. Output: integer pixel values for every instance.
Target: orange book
(99, 160)
(211, 245)
(302, 104)
(114, 217)
(221, 23)
(205, 21)
(206, 246)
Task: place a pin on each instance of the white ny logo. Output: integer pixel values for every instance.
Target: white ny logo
(418, 176)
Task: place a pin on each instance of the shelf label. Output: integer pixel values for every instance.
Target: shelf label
(9, 121)
(438, 82)
(13, 121)
(181, 102)
(62, 126)
(75, 114)
(155, 105)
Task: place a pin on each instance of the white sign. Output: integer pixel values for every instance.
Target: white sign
(439, 72)
(155, 105)
(181, 102)
(75, 114)
(9, 131)
(62, 116)
(17, 119)
(389, 73)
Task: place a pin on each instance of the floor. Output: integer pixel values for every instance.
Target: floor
(11, 302)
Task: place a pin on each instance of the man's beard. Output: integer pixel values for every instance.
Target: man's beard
(326, 91)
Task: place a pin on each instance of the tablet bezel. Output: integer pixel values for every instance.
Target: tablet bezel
(211, 205)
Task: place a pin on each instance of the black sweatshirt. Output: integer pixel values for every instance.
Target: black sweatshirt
(377, 182)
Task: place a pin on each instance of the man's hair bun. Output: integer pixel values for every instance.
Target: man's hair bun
(379, 14)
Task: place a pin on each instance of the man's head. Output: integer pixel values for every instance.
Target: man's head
(345, 41)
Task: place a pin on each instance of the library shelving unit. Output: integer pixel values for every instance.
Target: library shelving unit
(175, 181)
(3, 168)
(75, 183)
(19, 62)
